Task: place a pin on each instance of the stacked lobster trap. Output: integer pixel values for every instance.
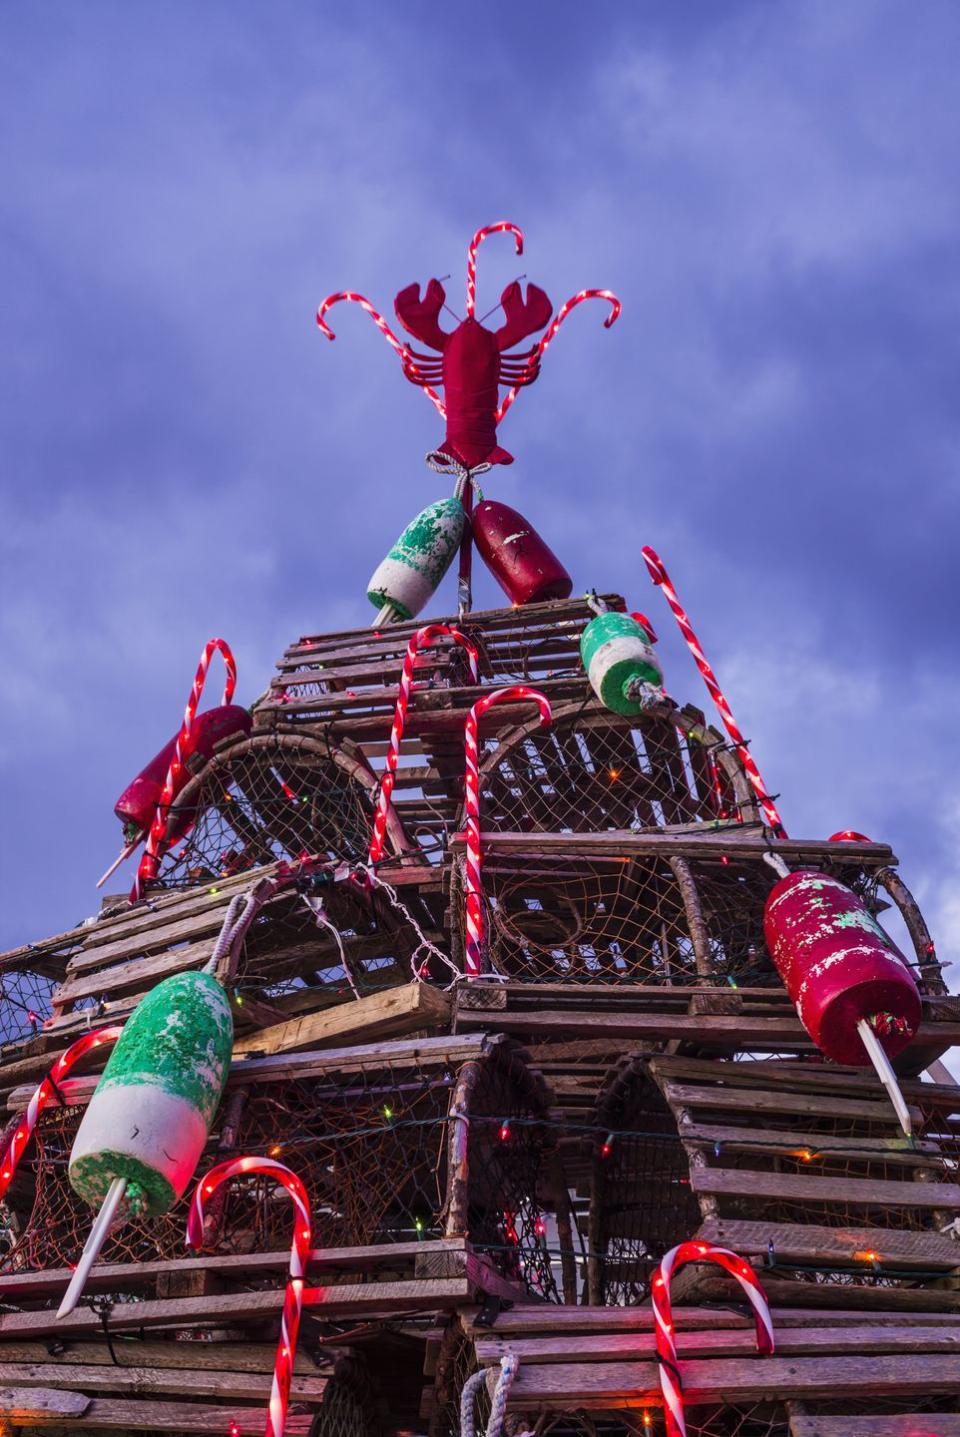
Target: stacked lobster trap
(506, 1094)
(625, 1074)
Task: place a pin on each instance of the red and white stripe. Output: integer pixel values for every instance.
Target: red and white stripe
(670, 1381)
(153, 852)
(501, 227)
(299, 1254)
(476, 929)
(660, 577)
(402, 349)
(422, 639)
(542, 344)
(52, 1086)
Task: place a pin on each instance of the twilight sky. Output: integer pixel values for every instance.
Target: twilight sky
(773, 189)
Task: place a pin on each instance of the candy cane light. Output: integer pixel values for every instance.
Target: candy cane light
(501, 227)
(299, 1252)
(52, 1087)
(661, 578)
(666, 1343)
(475, 917)
(422, 639)
(156, 838)
(540, 348)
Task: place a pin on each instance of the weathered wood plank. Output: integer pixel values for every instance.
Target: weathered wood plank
(810, 1146)
(383, 1015)
(780, 1098)
(201, 1378)
(594, 1385)
(158, 1416)
(122, 1276)
(834, 1341)
(792, 1187)
(903, 1424)
(806, 1242)
(525, 1319)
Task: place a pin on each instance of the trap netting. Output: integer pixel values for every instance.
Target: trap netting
(25, 994)
(347, 1409)
(629, 918)
(278, 795)
(641, 1204)
(390, 1149)
(591, 771)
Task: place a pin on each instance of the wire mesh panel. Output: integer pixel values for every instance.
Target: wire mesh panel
(641, 1204)
(278, 795)
(591, 771)
(25, 999)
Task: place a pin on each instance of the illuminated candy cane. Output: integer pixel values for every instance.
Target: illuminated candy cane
(48, 1089)
(541, 346)
(476, 919)
(153, 852)
(299, 1252)
(660, 577)
(402, 350)
(501, 227)
(422, 639)
(670, 1381)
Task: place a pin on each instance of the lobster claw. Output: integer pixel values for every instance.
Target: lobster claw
(420, 317)
(524, 316)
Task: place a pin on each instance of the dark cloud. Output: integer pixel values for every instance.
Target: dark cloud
(772, 189)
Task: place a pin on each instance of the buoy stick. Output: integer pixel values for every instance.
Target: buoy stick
(131, 846)
(464, 581)
(884, 1071)
(98, 1236)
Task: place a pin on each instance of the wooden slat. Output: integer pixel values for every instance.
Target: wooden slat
(598, 1385)
(791, 1187)
(102, 1413)
(819, 1145)
(780, 1098)
(836, 1341)
(627, 843)
(201, 1379)
(525, 1319)
(382, 1015)
(844, 1245)
(903, 1424)
(123, 1276)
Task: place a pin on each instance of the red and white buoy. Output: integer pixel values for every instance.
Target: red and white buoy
(852, 988)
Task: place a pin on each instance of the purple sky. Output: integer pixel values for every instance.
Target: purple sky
(772, 189)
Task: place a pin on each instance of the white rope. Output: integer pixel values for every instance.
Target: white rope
(241, 911)
(467, 1395)
(324, 921)
(498, 1410)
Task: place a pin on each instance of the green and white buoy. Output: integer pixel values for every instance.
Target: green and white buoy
(403, 582)
(620, 663)
(148, 1121)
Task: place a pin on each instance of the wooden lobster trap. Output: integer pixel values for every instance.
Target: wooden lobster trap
(402, 1143)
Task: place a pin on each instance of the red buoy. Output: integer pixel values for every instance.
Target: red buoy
(137, 804)
(839, 966)
(525, 567)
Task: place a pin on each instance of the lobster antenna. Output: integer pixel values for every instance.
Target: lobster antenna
(499, 303)
(452, 312)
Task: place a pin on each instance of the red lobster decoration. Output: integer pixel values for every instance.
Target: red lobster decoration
(472, 365)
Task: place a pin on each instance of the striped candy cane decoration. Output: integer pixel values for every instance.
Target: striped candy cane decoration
(476, 928)
(670, 1382)
(50, 1087)
(422, 639)
(541, 346)
(401, 349)
(501, 227)
(660, 577)
(153, 852)
(299, 1252)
